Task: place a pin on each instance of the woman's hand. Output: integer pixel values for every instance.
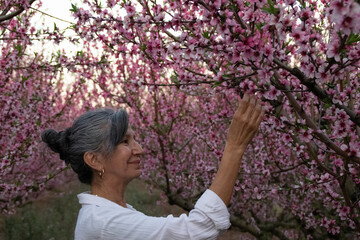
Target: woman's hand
(245, 123)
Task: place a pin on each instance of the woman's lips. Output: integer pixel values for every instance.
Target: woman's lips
(134, 162)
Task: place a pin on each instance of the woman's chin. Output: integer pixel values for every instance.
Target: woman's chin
(138, 171)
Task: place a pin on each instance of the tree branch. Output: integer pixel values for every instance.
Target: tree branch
(325, 139)
(46, 14)
(177, 84)
(15, 13)
(315, 89)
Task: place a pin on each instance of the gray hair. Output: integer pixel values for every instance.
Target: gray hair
(98, 131)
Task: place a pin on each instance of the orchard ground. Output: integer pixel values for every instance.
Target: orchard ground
(53, 216)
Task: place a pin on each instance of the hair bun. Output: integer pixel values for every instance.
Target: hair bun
(56, 141)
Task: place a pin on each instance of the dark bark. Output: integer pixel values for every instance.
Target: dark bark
(13, 14)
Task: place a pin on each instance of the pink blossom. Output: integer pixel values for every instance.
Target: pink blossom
(338, 162)
(306, 135)
(333, 52)
(130, 10)
(344, 212)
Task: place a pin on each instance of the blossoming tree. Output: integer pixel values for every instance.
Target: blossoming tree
(33, 96)
(180, 66)
(181, 63)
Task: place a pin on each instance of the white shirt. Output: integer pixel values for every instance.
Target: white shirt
(103, 219)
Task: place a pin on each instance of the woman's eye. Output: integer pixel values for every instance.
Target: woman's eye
(126, 141)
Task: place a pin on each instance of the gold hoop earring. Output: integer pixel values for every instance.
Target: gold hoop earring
(101, 173)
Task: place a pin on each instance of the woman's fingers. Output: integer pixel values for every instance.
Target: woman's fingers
(250, 106)
(260, 118)
(256, 113)
(243, 105)
(246, 120)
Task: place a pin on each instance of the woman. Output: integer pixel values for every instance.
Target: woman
(101, 149)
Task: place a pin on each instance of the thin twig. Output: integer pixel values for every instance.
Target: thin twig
(44, 13)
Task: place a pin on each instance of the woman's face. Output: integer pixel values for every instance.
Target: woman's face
(124, 162)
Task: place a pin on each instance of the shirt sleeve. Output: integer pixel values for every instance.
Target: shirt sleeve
(206, 221)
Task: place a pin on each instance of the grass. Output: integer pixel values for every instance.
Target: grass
(50, 217)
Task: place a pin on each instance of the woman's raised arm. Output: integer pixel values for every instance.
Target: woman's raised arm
(244, 125)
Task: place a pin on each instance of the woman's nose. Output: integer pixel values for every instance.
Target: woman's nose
(137, 149)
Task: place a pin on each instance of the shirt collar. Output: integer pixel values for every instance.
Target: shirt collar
(86, 198)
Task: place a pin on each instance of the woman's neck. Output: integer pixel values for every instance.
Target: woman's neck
(110, 191)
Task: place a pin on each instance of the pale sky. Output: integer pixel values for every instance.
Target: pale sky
(59, 9)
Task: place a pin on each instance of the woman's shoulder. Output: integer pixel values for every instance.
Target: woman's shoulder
(98, 214)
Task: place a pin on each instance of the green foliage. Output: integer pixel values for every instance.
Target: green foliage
(259, 25)
(174, 78)
(80, 54)
(143, 47)
(53, 219)
(206, 34)
(216, 84)
(24, 78)
(18, 47)
(353, 38)
(74, 8)
(271, 8)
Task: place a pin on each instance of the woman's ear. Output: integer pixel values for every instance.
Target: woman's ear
(94, 161)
